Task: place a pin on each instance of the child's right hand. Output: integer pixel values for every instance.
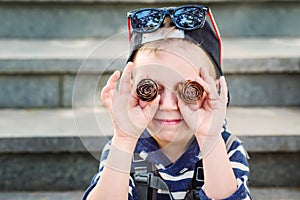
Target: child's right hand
(128, 117)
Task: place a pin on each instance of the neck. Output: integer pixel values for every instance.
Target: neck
(174, 149)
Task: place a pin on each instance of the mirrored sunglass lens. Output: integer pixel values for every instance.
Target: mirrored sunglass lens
(189, 17)
(146, 20)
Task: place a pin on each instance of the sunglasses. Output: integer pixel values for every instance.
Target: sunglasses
(188, 17)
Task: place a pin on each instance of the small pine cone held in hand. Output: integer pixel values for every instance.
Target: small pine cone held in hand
(190, 91)
(147, 90)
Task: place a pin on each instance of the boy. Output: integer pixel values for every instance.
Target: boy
(188, 153)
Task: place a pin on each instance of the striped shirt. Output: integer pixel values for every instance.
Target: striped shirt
(178, 175)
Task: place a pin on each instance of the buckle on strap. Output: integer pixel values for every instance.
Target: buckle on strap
(150, 180)
(143, 178)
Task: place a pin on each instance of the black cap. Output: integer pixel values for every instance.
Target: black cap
(204, 37)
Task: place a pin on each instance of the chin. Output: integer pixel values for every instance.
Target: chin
(169, 132)
(168, 136)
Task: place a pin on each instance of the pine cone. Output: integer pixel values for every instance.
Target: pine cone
(147, 90)
(190, 91)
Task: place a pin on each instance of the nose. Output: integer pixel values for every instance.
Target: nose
(168, 100)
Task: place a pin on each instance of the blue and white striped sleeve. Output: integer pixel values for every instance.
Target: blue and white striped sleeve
(238, 160)
(131, 194)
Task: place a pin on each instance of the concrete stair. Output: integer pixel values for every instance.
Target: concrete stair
(257, 194)
(62, 146)
(102, 18)
(259, 71)
(56, 55)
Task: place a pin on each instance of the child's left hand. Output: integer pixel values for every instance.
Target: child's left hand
(206, 118)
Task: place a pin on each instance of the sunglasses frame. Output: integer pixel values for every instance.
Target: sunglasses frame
(171, 12)
(166, 11)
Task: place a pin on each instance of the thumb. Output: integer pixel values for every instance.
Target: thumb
(151, 108)
(185, 110)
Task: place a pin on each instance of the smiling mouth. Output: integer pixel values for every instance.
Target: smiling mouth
(169, 121)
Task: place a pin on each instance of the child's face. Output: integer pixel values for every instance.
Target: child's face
(168, 70)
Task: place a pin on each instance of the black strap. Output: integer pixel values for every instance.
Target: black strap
(138, 169)
(192, 195)
(196, 183)
(198, 177)
(146, 179)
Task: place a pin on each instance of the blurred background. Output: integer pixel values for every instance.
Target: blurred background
(56, 55)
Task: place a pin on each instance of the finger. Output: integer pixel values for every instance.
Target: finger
(223, 89)
(111, 82)
(151, 108)
(203, 84)
(189, 115)
(209, 92)
(209, 80)
(125, 82)
(205, 75)
(133, 99)
(143, 104)
(185, 110)
(110, 86)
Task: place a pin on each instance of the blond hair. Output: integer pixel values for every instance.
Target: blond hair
(175, 46)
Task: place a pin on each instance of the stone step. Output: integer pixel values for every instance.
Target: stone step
(102, 18)
(94, 122)
(48, 73)
(58, 149)
(257, 194)
(240, 55)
